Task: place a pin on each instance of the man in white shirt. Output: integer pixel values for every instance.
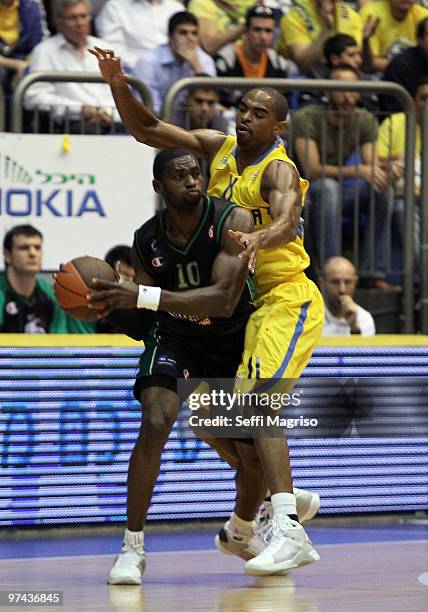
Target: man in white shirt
(343, 316)
(91, 103)
(133, 27)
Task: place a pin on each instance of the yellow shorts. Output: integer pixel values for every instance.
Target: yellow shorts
(283, 332)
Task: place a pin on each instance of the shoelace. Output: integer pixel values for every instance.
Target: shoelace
(138, 548)
(277, 526)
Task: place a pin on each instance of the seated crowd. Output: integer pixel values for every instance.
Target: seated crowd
(163, 41)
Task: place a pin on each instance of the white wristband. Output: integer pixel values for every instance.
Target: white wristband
(148, 297)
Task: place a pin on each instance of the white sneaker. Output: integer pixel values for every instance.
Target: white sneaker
(307, 505)
(232, 542)
(129, 565)
(289, 547)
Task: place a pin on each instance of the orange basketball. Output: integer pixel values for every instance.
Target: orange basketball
(72, 285)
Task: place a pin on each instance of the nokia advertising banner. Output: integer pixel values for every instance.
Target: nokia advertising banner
(84, 193)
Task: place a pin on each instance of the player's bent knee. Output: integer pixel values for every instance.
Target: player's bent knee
(158, 419)
(160, 407)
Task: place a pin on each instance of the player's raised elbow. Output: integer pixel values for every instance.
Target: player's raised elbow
(143, 138)
(146, 134)
(292, 234)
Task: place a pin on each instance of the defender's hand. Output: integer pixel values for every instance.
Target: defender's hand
(251, 245)
(110, 66)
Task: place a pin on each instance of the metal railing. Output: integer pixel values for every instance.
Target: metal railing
(323, 85)
(53, 76)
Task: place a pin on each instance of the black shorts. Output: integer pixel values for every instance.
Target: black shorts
(168, 358)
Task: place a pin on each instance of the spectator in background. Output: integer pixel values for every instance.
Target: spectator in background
(220, 22)
(253, 56)
(309, 24)
(89, 103)
(407, 68)
(343, 316)
(342, 49)
(335, 145)
(391, 146)
(180, 57)
(202, 109)
(119, 258)
(397, 22)
(22, 27)
(133, 27)
(27, 302)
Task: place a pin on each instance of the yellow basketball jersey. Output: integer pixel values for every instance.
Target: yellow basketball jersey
(274, 266)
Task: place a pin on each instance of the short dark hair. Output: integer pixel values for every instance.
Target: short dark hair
(164, 157)
(205, 87)
(342, 68)
(19, 230)
(337, 44)
(121, 252)
(262, 12)
(179, 18)
(280, 101)
(421, 28)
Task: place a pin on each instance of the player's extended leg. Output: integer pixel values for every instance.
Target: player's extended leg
(239, 536)
(280, 337)
(307, 502)
(160, 411)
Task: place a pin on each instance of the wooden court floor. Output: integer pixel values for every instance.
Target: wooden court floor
(363, 577)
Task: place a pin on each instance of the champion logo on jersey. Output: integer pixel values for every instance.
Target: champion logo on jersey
(11, 308)
(224, 161)
(154, 245)
(157, 262)
(211, 232)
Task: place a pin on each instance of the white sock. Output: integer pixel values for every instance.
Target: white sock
(135, 538)
(238, 524)
(283, 503)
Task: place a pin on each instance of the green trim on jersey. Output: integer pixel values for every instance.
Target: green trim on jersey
(251, 287)
(222, 219)
(195, 233)
(146, 359)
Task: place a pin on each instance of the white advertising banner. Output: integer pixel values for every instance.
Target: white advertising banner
(84, 193)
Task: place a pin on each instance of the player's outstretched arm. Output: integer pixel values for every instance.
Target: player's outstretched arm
(142, 124)
(281, 189)
(219, 299)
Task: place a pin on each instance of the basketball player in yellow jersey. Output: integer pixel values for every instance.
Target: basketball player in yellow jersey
(254, 171)
(287, 301)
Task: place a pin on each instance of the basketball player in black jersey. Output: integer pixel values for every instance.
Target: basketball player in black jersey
(183, 250)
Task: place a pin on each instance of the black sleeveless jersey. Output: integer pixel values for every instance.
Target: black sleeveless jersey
(180, 268)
